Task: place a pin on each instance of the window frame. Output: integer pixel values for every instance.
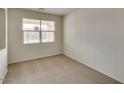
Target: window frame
(32, 42)
(30, 30)
(40, 31)
(54, 31)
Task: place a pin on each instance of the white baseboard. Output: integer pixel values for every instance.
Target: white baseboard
(80, 61)
(28, 59)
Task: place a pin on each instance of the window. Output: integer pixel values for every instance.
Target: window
(36, 31)
(31, 30)
(47, 36)
(31, 37)
(47, 28)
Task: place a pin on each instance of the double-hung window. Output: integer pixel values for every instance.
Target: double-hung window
(47, 29)
(36, 31)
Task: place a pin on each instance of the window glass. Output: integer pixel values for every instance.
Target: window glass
(47, 25)
(36, 31)
(31, 37)
(31, 24)
(47, 37)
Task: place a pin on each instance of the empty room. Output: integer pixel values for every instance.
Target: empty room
(61, 46)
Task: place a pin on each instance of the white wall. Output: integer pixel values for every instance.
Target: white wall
(2, 28)
(3, 44)
(95, 37)
(3, 64)
(17, 50)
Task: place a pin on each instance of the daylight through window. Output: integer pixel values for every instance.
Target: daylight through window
(36, 31)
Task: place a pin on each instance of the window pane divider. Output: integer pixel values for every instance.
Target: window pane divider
(47, 31)
(30, 31)
(40, 33)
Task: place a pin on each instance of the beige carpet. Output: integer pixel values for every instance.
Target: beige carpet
(54, 70)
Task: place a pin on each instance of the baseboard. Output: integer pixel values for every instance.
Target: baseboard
(29, 59)
(93, 68)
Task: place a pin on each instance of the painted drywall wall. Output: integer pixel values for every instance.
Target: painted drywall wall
(17, 51)
(95, 37)
(3, 64)
(2, 28)
(3, 39)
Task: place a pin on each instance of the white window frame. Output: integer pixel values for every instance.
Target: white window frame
(49, 31)
(40, 31)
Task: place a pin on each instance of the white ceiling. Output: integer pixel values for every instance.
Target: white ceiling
(56, 11)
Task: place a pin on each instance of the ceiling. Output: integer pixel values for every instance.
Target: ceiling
(56, 11)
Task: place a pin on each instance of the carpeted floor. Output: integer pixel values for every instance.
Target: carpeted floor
(57, 69)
